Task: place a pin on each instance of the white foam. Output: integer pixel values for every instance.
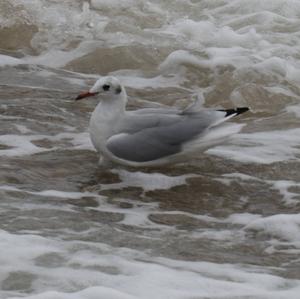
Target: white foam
(295, 109)
(283, 226)
(288, 8)
(240, 176)
(243, 218)
(261, 147)
(206, 33)
(23, 129)
(80, 141)
(244, 38)
(59, 58)
(8, 60)
(88, 293)
(113, 4)
(147, 181)
(130, 79)
(21, 145)
(283, 186)
(139, 216)
(179, 58)
(65, 22)
(281, 90)
(289, 198)
(260, 36)
(136, 275)
(220, 235)
(50, 193)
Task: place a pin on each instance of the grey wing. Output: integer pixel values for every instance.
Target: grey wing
(165, 110)
(156, 142)
(140, 147)
(135, 121)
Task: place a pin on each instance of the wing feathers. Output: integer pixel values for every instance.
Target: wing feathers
(164, 135)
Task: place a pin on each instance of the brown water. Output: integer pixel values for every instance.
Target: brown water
(226, 224)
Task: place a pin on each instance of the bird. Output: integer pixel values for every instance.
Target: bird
(150, 136)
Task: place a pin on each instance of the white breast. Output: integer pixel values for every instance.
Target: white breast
(103, 123)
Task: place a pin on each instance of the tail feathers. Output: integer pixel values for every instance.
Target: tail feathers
(236, 111)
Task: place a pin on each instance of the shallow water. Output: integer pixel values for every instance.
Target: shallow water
(224, 225)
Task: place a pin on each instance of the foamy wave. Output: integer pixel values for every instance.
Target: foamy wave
(262, 147)
(20, 145)
(286, 227)
(85, 270)
(7, 60)
(148, 182)
(68, 30)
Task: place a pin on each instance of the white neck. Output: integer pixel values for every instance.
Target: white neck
(105, 118)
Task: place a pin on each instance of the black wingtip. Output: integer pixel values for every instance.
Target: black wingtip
(236, 111)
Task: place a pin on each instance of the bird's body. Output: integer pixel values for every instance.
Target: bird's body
(152, 136)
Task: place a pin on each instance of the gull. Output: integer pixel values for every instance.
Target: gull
(150, 136)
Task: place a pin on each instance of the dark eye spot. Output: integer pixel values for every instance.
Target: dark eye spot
(106, 87)
(118, 90)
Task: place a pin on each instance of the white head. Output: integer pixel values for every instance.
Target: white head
(108, 88)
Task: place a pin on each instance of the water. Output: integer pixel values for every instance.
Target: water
(224, 225)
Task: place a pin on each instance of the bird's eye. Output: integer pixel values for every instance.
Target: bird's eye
(106, 87)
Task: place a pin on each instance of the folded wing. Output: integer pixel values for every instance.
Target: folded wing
(164, 135)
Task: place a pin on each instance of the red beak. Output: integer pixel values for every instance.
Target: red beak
(85, 95)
